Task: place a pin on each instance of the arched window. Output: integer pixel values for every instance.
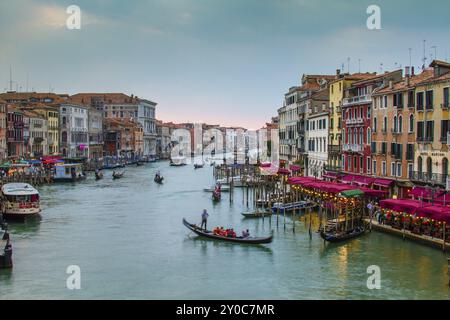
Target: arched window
(385, 124)
(395, 124)
(420, 166)
(64, 136)
(411, 123)
(444, 170)
(361, 136)
(429, 168)
(355, 135)
(400, 124)
(369, 136)
(374, 124)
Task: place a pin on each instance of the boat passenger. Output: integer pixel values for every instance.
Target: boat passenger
(245, 234)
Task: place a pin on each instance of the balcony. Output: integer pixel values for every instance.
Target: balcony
(353, 148)
(357, 100)
(425, 139)
(433, 178)
(334, 149)
(354, 121)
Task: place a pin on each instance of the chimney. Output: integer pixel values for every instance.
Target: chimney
(407, 76)
(412, 71)
(338, 73)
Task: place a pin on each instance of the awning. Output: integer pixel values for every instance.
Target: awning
(352, 193)
(385, 183)
(359, 180)
(444, 200)
(436, 212)
(403, 205)
(294, 168)
(426, 193)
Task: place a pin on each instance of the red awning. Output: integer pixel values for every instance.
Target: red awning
(435, 212)
(444, 199)
(359, 180)
(294, 168)
(385, 183)
(403, 205)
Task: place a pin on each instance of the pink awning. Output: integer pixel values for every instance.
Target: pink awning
(374, 193)
(435, 212)
(294, 168)
(283, 171)
(426, 193)
(444, 200)
(385, 183)
(359, 180)
(403, 205)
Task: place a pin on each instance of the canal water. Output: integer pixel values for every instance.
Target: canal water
(129, 242)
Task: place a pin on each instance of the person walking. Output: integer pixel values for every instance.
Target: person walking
(205, 216)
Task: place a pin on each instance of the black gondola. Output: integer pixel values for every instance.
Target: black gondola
(158, 179)
(209, 234)
(198, 166)
(343, 236)
(98, 175)
(117, 175)
(5, 247)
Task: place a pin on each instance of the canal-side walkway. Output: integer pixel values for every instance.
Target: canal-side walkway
(406, 234)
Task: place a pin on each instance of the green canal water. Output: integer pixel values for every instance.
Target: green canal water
(128, 240)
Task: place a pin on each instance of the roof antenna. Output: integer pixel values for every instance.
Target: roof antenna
(348, 65)
(435, 52)
(359, 65)
(10, 78)
(424, 59)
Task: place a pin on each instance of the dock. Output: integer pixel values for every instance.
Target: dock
(406, 234)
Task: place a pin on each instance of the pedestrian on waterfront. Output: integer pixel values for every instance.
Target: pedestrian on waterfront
(205, 216)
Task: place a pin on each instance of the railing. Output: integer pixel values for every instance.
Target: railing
(354, 121)
(357, 100)
(334, 149)
(429, 177)
(353, 148)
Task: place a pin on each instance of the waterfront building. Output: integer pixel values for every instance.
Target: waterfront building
(317, 129)
(432, 115)
(119, 105)
(35, 134)
(25, 98)
(356, 122)
(3, 130)
(393, 130)
(123, 137)
(15, 132)
(337, 90)
(95, 131)
(163, 140)
(74, 138)
(293, 117)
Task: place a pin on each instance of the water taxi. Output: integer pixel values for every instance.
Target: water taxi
(69, 172)
(20, 200)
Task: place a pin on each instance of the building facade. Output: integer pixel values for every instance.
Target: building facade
(95, 131)
(15, 132)
(35, 134)
(356, 122)
(3, 130)
(432, 115)
(74, 136)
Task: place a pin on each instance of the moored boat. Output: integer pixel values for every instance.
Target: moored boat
(98, 175)
(198, 166)
(19, 200)
(178, 161)
(158, 179)
(289, 207)
(331, 236)
(70, 172)
(209, 234)
(257, 214)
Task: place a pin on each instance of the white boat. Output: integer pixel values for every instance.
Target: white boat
(178, 161)
(237, 182)
(20, 200)
(70, 172)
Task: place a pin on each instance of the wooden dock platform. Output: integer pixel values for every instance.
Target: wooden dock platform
(406, 234)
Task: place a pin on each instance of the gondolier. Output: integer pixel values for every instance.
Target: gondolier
(205, 216)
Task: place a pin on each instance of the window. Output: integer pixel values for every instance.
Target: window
(393, 169)
(384, 148)
(410, 152)
(374, 167)
(420, 132)
(385, 101)
(430, 131)
(383, 168)
(400, 124)
(420, 101)
(420, 165)
(399, 169)
(361, 136)
(373, 147)
(445, 129)
(369, 171)
(411, 99)
(385, 124)
(374, 124)
(446, 98)
(395, 124)
(429, 100)
(410, 171)
(411, 123)
(361, 166)
(369, 136)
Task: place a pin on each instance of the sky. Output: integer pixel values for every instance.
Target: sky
(226, 62)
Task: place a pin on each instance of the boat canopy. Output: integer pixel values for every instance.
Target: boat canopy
(19, 189)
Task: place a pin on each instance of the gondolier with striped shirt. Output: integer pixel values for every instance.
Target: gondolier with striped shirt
(205, 216)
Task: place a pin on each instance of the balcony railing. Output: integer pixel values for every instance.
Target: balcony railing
(427, 177)
(357, 100)
(354, 121)
(353, 148)
(425, 139)
(334, 149)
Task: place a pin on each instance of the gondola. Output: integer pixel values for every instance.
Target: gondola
(340, 237)
(257, 214)
(198, 166)
(209, 234)
(158, 179)
(98, 175)
(117, 175)
(216, 195)
(5, 247)
(138, 164)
